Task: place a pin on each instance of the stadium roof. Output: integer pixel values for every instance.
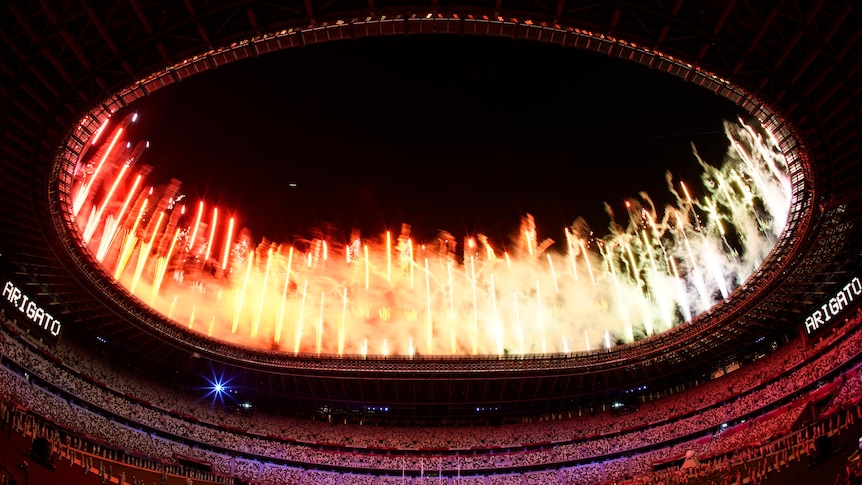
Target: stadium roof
(796, 65)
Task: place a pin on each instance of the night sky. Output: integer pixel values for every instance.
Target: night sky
(459, 133)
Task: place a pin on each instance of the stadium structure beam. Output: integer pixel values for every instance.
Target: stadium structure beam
(190, 7)
(309, 11)
(558, 10)
(791, 43)
(719, 23)
(755, 41)
(252, 18)
(67, 38)
(139, 12)
(36, 40)
(33, 69)
(665, 28)
(106, 36)
(824, 40)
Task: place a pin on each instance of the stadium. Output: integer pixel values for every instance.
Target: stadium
(108, 378)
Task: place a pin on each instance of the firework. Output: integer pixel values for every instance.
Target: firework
(660, 270)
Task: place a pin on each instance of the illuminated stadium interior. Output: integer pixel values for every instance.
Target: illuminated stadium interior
(341, 292)
(370, 340)
(386, 295)
(52, 247)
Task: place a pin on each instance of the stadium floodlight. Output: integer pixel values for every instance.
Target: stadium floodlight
(217, 389)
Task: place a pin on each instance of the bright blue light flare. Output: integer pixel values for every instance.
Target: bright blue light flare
(217, 388)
